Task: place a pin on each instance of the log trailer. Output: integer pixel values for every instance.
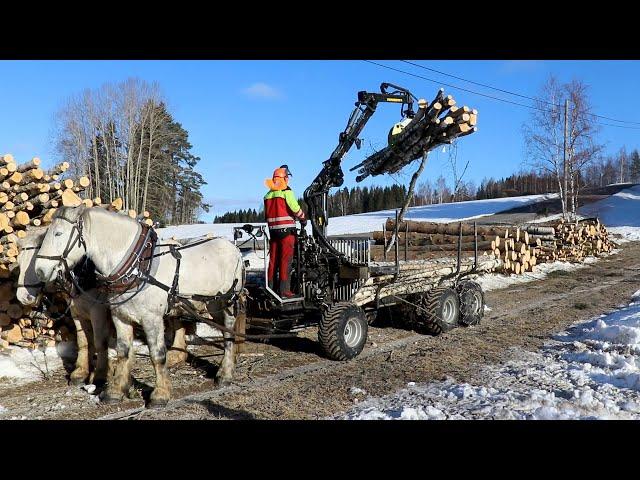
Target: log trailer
(337, 285)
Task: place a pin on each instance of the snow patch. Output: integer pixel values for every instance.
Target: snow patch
(496, 281)
(26, 365)
(590, 371)
(619, 210)
(372, 221)
(627, 234)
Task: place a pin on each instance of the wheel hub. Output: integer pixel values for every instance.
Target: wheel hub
(352, 332)
(449, 311)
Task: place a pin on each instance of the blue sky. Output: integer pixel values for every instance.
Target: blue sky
(247, 117)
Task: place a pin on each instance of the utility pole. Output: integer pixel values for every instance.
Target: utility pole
(566, 166)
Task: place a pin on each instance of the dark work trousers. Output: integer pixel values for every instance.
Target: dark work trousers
(281, 248)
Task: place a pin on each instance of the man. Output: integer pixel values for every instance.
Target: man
(281, 210)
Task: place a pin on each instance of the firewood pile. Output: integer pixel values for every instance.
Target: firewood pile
(521, 248)
(29, 196)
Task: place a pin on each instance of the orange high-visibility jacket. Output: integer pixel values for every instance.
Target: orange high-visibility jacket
(281, 209)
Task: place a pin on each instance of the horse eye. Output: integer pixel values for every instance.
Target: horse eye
(58, 234)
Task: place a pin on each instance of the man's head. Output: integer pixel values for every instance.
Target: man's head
(280, 178)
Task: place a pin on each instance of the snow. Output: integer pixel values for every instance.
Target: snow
(496, 281)
(627, 234)
(371, 221)
(24, 365)
(590, 371)
(440, 213)
(619, 210)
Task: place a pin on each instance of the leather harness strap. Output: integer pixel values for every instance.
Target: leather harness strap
(139, 262)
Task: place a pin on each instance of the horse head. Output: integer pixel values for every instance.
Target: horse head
(63, 244)
(29, 285)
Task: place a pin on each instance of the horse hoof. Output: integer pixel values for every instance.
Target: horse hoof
(223, 382)
(110, 398)
(157, 403)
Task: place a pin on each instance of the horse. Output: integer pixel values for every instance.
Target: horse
(88, 313)
(210, 273)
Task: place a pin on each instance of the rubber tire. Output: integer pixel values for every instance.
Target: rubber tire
(469, 292)
(331, 331)
(433, 302)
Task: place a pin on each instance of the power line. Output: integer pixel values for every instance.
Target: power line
(514, 93)
(496, 98)
(480, 84)
(454, 86)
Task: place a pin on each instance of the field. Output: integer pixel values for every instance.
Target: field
(560, 343)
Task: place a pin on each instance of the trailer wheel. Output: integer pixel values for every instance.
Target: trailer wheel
(442, 310)
(471, 303)
(342, 332)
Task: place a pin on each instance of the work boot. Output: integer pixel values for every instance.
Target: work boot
(285, 288)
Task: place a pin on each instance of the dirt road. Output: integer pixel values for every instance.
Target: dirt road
(291, 381)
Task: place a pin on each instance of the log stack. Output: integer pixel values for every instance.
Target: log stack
(29, 196)
(520, 248)
(435, 123)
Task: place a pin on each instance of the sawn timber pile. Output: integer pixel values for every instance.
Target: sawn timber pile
(29, 196)
(520, 248)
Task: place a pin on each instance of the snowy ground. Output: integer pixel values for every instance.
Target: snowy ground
(590, 371)
(21, 365)
(619, 210)
(368, 222)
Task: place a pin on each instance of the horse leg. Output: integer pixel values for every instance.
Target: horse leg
(154, 331)
(81, 372)
(100, 321)
(223, 313)
(178, 352)
(119, 383)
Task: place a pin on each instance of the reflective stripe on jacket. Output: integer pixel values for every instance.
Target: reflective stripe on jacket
(281, 209)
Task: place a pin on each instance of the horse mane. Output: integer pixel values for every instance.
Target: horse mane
(111, 213)
(71, 214)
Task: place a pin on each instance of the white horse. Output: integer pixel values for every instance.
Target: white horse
(210, 269)
(91, 317)
(87, 315)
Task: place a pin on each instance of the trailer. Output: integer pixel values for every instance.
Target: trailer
(436, 294)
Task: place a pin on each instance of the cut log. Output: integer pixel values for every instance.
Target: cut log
(58, 169)
(15, 177)
(13, 334)
(444, 228)
(70, 199)
(33, 174)
(33, 163)
(21, 219)
(117, 203)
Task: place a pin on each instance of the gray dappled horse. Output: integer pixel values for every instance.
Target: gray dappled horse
(88, 313)
(210, 271)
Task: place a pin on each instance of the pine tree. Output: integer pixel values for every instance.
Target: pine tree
(635, 166)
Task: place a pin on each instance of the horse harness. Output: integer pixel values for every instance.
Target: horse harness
(135, 270)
